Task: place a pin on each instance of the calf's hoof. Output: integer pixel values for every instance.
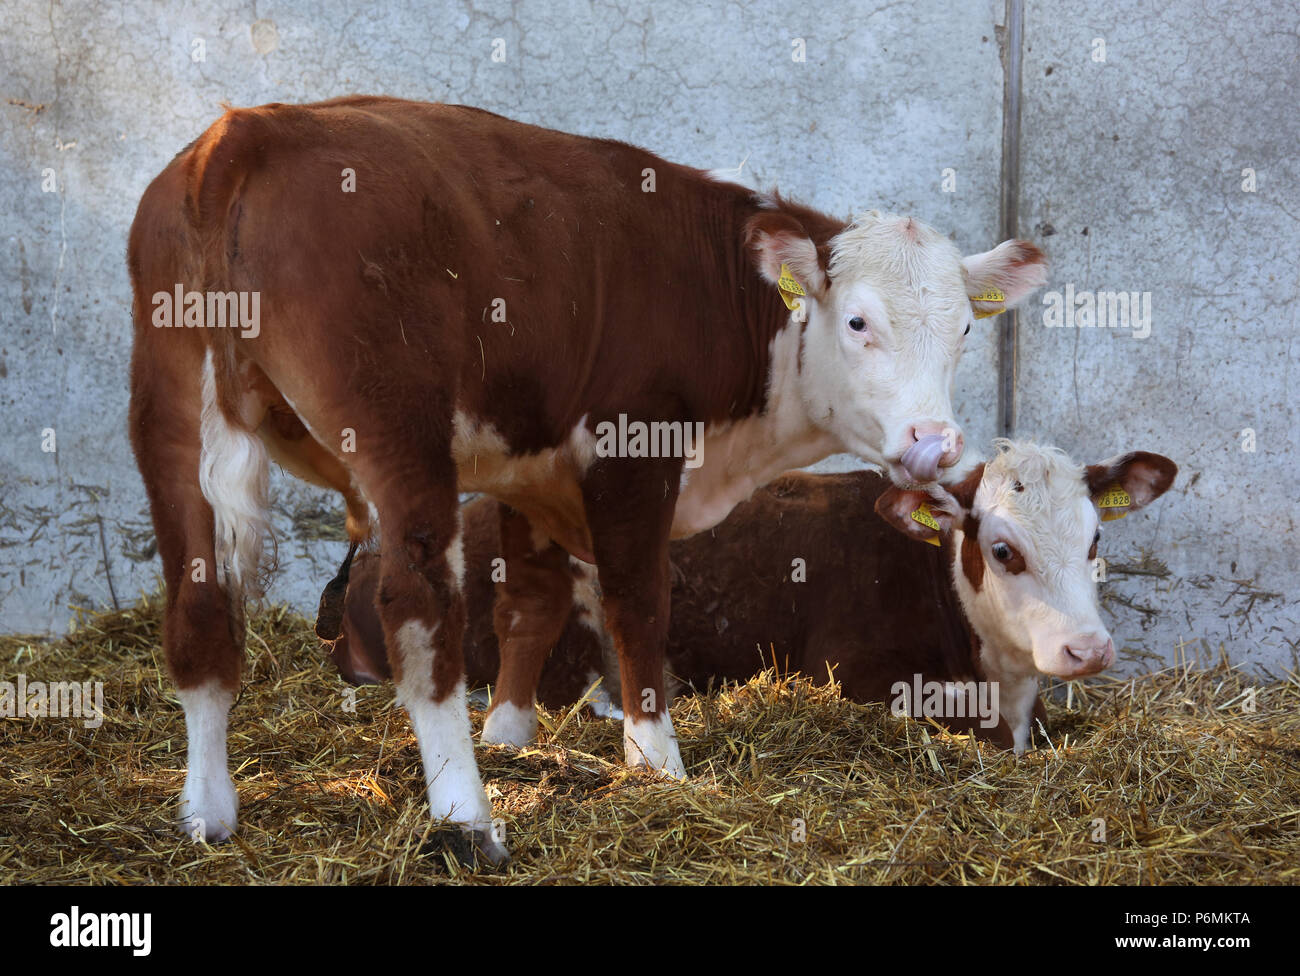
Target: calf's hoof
(652, 744)
(489, 848)
(672, 770)
(471, 847)
(209, 810)
(509, 725)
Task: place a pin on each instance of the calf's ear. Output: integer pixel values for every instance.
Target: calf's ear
(777, 240)
(914, 513)
(1128, 482)
(1003, 277)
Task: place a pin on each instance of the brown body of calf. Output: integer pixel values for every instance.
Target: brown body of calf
(373, 301)
(875, 608)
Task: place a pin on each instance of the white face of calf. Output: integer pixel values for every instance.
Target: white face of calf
(1022, 532)
(889, 303)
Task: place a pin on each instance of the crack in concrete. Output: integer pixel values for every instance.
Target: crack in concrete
(1011, 42)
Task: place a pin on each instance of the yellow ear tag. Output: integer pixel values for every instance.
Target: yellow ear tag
(1117, 500)
(989, 295)
(789, 288)
(924, 516)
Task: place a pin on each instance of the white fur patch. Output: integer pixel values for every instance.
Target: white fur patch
(234, 472)
(586, 596)
(741, 457)
(652, 743)
(509, 725)
(443, 732)
(485, 462)
(1016, 698)
(209, 803)
(543, 485)
(582, 444)
(455, 557)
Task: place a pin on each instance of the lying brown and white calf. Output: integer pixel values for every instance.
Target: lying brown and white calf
(804, 574)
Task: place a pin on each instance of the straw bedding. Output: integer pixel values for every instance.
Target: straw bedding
(789, 783)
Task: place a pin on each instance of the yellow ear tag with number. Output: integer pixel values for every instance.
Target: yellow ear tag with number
(1117, 500)
(789, 288)
(989, 295)
(926, 518)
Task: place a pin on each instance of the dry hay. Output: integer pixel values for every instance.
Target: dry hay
(1191, 785)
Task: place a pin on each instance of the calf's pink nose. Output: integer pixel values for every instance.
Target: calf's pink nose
(1090, 653)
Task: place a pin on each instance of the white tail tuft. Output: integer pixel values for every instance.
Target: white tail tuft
(234, 473)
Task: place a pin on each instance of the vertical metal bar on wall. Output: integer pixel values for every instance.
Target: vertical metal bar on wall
(1009, 208)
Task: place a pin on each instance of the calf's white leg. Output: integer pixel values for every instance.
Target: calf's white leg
(209, 803)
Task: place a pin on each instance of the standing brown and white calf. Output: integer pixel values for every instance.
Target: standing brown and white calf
(805, 576)
(448, 300)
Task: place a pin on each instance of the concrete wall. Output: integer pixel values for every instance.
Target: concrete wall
(1135, 166)
(1144, 150)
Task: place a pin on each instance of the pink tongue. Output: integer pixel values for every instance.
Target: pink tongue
(922, 459)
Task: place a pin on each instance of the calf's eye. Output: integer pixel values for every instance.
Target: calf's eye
(1009, 556)
(858, 324)
(967, 332)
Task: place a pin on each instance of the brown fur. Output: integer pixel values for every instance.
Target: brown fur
(972, 559)
(203, 629)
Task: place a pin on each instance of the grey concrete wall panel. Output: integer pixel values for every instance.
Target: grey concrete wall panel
(1135, 165)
